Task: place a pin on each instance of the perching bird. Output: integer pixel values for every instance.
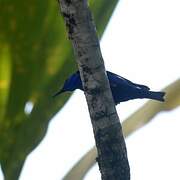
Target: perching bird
(122, 89)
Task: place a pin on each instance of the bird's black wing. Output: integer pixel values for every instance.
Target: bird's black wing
(116, 79)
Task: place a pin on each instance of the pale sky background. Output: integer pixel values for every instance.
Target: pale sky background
(141, 43)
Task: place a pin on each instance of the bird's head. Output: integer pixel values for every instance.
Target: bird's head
(72, 83)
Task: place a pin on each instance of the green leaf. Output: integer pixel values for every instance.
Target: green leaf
(35, 59)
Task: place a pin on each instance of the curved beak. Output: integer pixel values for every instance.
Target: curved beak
(59, 92)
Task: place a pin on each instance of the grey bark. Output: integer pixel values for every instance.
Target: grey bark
(112, 155)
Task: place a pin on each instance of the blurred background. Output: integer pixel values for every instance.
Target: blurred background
(42, 137)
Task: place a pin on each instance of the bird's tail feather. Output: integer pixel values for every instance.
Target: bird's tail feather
(157, 95)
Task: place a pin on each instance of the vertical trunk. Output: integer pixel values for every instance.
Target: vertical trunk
(111, 148)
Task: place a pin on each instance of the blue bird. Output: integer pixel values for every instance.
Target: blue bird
(122, 89)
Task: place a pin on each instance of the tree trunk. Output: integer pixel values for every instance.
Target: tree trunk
(112, 155)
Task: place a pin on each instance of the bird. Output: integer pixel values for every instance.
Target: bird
(122, 89)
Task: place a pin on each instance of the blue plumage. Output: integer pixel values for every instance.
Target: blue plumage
(122, 89)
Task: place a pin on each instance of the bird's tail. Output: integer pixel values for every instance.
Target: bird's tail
(156, 95)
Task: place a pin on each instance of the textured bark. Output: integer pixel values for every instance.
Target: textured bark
(111, 148)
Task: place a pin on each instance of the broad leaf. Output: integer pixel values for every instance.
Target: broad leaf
(35, 59)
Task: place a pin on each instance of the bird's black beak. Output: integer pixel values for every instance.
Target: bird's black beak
(59, 92)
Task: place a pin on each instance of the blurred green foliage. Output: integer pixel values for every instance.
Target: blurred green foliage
(35, 58)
